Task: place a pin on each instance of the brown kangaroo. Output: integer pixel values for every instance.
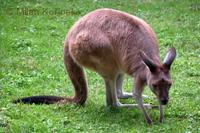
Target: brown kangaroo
(113, 43)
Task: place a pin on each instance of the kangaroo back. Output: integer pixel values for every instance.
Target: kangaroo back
(112, 38)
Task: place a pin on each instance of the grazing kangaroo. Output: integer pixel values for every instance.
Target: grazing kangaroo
(114, 43)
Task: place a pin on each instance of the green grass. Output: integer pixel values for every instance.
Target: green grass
(31, 64)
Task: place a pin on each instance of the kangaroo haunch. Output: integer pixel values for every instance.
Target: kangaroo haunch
(114, 43)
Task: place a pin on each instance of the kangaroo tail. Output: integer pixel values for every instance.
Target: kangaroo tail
(77, 77)
(39, 99)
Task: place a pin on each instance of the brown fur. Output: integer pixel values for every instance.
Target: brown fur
(115, 42)
(111, 43)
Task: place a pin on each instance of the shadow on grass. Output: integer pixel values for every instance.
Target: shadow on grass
(100, 114)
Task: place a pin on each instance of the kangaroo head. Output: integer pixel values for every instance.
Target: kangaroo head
(158, 76)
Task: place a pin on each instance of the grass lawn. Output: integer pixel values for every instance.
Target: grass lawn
(31, 63)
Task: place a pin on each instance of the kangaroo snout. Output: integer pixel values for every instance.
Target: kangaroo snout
(164, 101)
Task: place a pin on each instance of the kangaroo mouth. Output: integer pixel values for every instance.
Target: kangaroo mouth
(164, 102)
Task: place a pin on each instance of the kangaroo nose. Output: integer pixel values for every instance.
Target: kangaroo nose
(164, 101)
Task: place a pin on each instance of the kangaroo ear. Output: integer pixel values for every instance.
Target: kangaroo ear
(148, 62)
(169, 58)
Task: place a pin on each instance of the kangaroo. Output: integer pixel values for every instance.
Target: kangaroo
(113, 43)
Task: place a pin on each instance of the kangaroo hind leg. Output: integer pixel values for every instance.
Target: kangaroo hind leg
(76, 74)
(111, 95)
(120, 93)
